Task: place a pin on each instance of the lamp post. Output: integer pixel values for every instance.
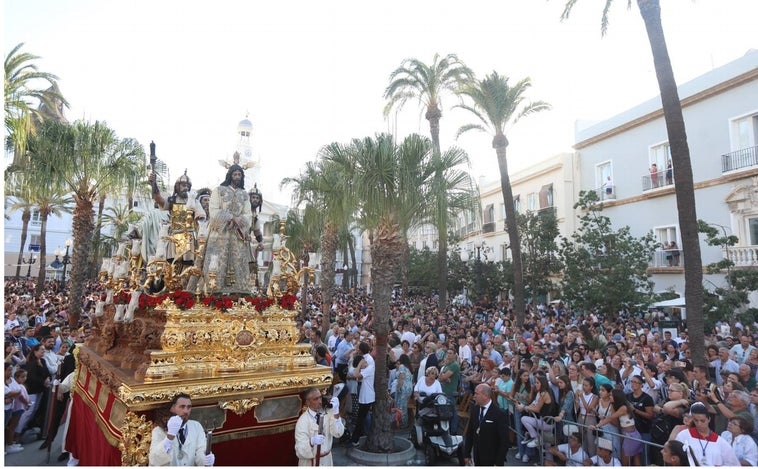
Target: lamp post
(32, 260)
(66, 262)
(479, 248)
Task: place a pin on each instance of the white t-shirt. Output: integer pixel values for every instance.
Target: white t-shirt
(598, 461)
(429, 390)
(574, 459)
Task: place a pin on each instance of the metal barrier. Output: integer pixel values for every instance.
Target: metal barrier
(554, 438)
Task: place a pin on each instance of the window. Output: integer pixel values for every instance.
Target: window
(517, 204)
(504, 252)
(35, 220)
(531, 201)
(660, 159)
(603, 174)
(35, 240)
(489, 213)
(753, 231)
(744, 131)
(667, 255)
(546, 196)
(502, 212)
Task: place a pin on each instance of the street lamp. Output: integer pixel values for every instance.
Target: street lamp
(479, 249)
(66, 262)
(32, 260)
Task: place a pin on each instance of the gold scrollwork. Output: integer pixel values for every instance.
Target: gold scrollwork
(240, 406)
(136, 436)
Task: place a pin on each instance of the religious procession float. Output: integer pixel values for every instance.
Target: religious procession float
(236, 355)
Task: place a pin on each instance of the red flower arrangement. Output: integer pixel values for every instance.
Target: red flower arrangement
(223, 303)
(185, 300)
(287, 301)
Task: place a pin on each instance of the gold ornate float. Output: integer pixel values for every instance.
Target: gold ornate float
(238, 358)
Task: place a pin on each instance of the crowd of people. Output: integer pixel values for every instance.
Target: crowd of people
(589, 381)
(599, 386)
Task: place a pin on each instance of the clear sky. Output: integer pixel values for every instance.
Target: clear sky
(183, 72)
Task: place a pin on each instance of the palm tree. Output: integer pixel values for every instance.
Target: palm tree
(303, 237)
(496, 104)
(21, 95)
(650, 10)
(322, 185)
(88, 160)
(426, 83)
(378, 173)
(16, 191)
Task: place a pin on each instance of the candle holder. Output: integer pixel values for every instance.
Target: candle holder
(212, 281)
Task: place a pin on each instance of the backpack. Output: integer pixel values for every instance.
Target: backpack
(661, 428)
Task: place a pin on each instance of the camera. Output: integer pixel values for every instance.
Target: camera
(326, 402)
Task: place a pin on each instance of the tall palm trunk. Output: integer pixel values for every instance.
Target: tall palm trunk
(405, 255)
(42, 261)
(500, 143)
(84, 227)
(26, 216)
(353, 264)
(684, 187)
(328, 258)
(433, 115)
(385, 252)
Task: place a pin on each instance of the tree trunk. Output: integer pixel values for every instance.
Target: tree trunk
(500, 143)
(684, 186)
(405, 255)
(84, 226)
(328, 258)
(433, 115)
(42, 261)
(26, 216)
(385, 252)
(353, 263)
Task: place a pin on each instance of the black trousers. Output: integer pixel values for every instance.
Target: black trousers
(361, 421)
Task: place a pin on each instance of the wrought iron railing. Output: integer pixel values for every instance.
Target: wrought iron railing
(739, 159)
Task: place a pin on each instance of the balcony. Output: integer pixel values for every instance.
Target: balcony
(658, 179)
(739, 159)
(606, 193)
(742, 256)
(488, 227)
(668, 258)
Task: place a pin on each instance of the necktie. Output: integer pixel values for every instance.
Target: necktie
(318, 418)
(481, 415)
(182, 434)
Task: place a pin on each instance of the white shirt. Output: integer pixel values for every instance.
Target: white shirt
(464, 354)
(598, 461)
(574, 459)
(366, 394)
(744, 447)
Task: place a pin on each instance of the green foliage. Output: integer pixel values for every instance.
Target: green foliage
(539, 251)
(726, 302)
(422, 270)
(606, 269)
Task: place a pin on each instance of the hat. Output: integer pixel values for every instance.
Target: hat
(568, 430)
(605, 443)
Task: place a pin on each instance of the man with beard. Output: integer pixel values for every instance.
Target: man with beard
(227, 252)
(255, 236)
(183, 441)
(183, 210)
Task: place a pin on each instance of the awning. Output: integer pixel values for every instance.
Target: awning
(668, 303)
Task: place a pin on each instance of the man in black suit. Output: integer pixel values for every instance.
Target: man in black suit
(487, 433)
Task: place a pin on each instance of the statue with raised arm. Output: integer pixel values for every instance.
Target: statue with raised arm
(227, 251)
(255, 236)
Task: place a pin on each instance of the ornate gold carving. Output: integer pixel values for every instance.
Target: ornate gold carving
(240, 406)
(136, 435)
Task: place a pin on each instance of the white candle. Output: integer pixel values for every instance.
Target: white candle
(213, 266)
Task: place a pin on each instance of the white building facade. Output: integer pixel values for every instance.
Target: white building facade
(626, 160)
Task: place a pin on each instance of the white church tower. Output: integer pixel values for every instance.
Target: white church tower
(248, 160)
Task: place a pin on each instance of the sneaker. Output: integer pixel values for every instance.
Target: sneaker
(525, 459)
(518, 456)
(533, 444)
(17, 445)
(355, 444)
(526, 440)
(14, 449)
